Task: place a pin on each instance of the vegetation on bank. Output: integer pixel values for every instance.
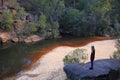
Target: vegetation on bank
(77, 55)
(55, 17)
(116, 54)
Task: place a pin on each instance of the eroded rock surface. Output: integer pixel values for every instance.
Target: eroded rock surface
(5, 37)
(78, 71)
(32, 38)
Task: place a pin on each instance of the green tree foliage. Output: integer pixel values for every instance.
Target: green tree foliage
(74, 17)
(77, 55)
(55, 30)
(75, 22)
(49, 11)
(97, 16)
(115, 11)
(46, 29)
(78, 17)
(28, 28)
(43, 26)
(13, 1)
(9, 17)
(21, 14)
(8, 20)
(69, 21)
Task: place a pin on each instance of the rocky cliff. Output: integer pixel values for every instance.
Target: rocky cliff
(106, 69)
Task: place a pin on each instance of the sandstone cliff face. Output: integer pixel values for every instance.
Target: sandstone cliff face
(32, 38)
(15, 40)
(5, 37)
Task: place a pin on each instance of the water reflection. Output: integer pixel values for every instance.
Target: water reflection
(16, 57)
(26, 61)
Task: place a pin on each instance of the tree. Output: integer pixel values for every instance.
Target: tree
(69, 20)
(56, 30)
(21, 13)
(76, 22)
(7, 23)
(28, 28)
(74, 17)
(49, 11)
(42, 25)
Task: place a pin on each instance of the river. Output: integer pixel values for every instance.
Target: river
(17, 57)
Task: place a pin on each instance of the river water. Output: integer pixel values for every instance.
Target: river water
(16, 57)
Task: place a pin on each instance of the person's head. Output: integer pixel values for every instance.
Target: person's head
(92, 47)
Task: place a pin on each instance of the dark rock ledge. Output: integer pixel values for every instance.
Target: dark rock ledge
(106, 69)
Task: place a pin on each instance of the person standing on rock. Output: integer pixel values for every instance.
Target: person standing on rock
(92, 56)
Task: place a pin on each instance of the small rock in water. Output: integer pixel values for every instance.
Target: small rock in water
(20, 72)
(26, 61)
(15, 40)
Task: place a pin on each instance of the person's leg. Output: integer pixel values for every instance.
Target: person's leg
(91, 65)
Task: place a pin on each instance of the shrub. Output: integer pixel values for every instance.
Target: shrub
(7, 23)
(29, 28)
(116, 54)
(77, 55)
(55, 30)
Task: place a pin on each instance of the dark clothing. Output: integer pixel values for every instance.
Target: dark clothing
(92, 55)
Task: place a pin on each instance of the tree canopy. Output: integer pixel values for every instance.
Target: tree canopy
(70, 17)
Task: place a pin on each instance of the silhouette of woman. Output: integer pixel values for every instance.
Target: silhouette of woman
(92, 56)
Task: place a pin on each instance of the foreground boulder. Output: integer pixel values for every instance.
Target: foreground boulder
(101, 70)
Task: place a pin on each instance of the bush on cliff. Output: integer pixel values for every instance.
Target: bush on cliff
(77, 55)
(116, 54)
